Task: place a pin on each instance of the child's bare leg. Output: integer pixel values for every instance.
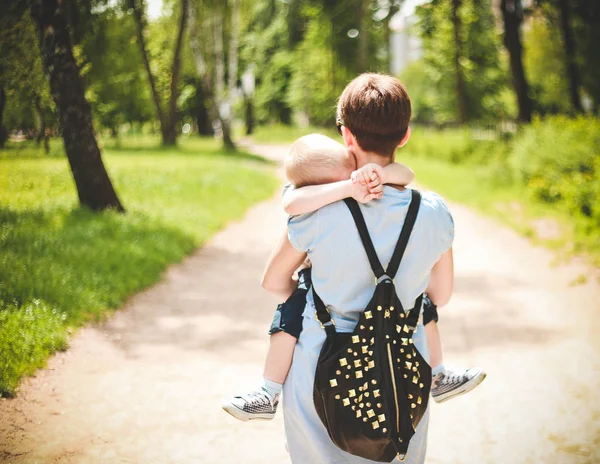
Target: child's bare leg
(434, 343)
(448, 382)
(279, 357)
(262, 401)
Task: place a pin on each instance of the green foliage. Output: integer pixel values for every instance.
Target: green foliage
(545, 64)
(319, 77)
(559, 161)
(22, 77)
(27, 334)
(552, 165)
(118, 88)
(82, 263)
(479, 61)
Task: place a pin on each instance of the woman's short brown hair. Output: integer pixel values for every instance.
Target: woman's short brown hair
(376, 109)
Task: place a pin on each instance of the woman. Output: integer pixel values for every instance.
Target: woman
(341, 273)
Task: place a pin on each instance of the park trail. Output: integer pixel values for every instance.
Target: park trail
(146, 386)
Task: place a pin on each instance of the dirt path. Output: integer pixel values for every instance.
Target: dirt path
(146, 386)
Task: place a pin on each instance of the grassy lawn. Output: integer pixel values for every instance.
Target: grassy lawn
(280, 133)
(61, 266)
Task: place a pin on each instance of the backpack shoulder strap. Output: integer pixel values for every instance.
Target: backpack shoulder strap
(359, 220)
(409, 222)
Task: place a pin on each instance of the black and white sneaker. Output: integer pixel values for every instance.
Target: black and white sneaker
(257, 404)
(454, 382)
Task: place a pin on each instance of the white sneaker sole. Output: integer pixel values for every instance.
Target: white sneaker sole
(466, 388)
(244, 416)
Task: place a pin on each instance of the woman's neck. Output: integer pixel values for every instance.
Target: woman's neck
(365, 157)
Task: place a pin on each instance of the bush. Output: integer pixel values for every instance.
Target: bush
(558, 160)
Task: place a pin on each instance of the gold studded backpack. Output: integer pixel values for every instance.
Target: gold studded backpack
(372, 385)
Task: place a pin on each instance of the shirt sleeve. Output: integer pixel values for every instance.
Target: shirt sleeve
(441, 222)
(444, 223)
(302, 230)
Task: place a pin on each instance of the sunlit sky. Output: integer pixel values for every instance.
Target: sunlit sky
(154, 8)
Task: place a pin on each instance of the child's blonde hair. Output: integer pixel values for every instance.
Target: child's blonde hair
(316, 159)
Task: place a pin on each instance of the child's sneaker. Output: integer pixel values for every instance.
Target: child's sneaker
(452, 382)
(257, 404)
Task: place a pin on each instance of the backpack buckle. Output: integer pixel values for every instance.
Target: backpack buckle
(383, 278)
(329, 323)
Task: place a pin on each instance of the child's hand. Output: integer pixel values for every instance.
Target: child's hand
(371, 176)
(362, 194)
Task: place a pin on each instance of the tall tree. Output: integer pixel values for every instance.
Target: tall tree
(363, 34)
(223, 109)
(3, 132)
(459, 86)
(93, 184)
(168, 118)
(204, 87)
(512, 14)
(570, 54)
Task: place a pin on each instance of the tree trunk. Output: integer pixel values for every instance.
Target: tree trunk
(220, 84)
(569, 44)
(39, 120)
(250, 122)
(202, 115)
(138, 8)
(461, 93)
(170, 133)
(233, 49)
(363, 36)
(512, 16)
(3, 134)
(91, 179)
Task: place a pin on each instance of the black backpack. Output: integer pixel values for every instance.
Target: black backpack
(372, 385)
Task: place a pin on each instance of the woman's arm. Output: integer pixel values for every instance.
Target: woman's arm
(441, 282)
(282, 264)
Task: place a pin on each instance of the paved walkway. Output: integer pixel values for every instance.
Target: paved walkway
(146, 386)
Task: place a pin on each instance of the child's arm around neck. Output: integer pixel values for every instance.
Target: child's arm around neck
(311, 198)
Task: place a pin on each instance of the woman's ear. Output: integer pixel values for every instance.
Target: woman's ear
(404, 141)
(349, 139)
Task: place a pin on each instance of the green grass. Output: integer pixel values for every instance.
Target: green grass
(61, 265)
(483, 189)
(279, 133)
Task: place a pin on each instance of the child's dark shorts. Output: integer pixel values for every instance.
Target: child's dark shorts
(288, 316)
(429, 310)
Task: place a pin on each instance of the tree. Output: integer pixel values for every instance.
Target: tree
(26, 102)
(93, 184)
(461, 95)
(223, 110)
(112, 69)
(569, 44)
(168, 119)
(461, 61)
(512, 14)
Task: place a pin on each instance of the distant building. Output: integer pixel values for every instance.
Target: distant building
(405, 45)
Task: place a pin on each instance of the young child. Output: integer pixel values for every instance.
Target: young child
(322, 171)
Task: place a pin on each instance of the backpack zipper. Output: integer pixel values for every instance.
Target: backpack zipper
(393, 377)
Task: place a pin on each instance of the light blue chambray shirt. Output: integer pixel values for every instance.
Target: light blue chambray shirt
(341, 274)
(342, 277)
